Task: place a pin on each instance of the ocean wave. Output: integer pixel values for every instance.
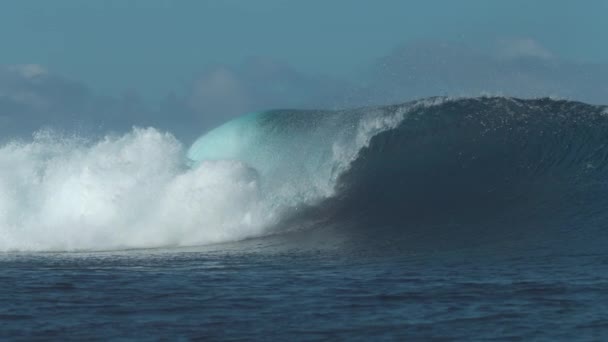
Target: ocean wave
(438, 162)
(451, 171)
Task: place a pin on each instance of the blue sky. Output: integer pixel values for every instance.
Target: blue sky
(155, 46)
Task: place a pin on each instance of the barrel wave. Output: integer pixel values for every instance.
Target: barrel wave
(430, 174)
(491, 172)
(436, 173)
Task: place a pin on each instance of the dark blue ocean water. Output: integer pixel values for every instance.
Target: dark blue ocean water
(267, 290)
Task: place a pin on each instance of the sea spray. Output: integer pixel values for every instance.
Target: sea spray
(131, 191)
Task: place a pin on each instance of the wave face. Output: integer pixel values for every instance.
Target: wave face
(479, 171)
(436, 171)
(433, 170)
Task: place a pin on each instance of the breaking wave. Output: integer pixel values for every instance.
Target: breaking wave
(437, 162)
(132, 191)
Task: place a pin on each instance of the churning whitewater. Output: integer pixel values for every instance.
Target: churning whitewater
(132, 191)
(139, 190)
(439, 160)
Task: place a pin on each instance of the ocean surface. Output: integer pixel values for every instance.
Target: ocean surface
(439, 219)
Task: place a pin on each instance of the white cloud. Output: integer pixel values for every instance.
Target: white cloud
(524, 47)
(28, 71)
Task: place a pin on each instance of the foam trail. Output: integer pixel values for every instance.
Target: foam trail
(131, 191)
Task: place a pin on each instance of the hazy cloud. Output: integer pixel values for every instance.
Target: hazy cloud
(525, 47)
(259, 83)
(429, 69)
(32, 97)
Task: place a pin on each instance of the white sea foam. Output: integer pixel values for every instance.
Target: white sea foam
(131, 191)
